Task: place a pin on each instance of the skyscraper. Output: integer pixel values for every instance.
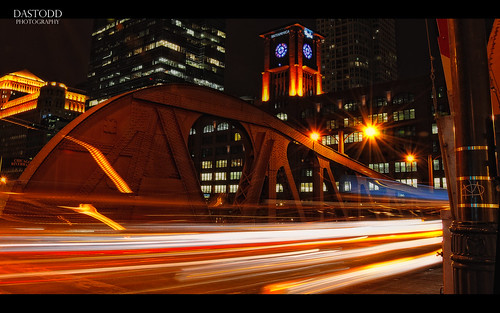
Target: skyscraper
(357, 52)
(132, 53)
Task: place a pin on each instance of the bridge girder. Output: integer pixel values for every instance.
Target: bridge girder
(133, 149)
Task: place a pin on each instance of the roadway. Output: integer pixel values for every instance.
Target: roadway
(194, 259)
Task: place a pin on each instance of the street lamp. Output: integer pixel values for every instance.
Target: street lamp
(370, 131)
(412, 158)
(315, 136)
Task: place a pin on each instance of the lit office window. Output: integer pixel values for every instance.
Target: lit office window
(206, 176)
(220, 176)
(405, 167)
(306, 187)
(221, 163)
(233, 188)
(206, 188)
(235, 175)
(219, 188)
(208, 129)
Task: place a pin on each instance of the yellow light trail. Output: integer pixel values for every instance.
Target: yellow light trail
(104, 165)
(90, 210)
(330, 282)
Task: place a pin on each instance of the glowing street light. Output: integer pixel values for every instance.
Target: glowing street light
(410, 158)
(314, 136)
(370, 131)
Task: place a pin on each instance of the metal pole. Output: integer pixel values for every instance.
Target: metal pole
(341, 142)
(474, 227)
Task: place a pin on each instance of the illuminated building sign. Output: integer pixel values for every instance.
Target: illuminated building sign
(280, 33)
(308, 33)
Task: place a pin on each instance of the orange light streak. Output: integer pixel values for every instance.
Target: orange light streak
(90, 210)
(104, 165)
(330, 282)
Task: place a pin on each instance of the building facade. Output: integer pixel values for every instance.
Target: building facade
(132, 53)
(406, 144)
(218, 152)
(357, 52)
(31, 112)
(401, 111)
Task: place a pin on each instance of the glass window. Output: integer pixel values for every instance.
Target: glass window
(236, 162)
(220, 176)
(206, 188)
(233, 188)
(206, 176)
(219, 188)
(223, 126)
(235, 175)
(221, 163)
(208, 129)
(434, 128)
(279, 188)
(282, 116)
(347, 186)
(306, 187)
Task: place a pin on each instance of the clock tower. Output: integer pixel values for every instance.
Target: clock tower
(292, 63)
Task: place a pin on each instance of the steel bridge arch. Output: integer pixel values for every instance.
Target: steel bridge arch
(133, 149)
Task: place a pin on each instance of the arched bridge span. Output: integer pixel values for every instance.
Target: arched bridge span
(134, 150)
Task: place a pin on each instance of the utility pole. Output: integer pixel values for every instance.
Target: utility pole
(474, 222)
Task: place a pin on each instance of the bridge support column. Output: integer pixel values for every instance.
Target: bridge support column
(474, 227)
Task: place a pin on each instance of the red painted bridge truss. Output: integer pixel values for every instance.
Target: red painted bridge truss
(132, 152)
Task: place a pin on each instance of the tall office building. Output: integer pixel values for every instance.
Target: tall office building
(132, 53)
(357, 52)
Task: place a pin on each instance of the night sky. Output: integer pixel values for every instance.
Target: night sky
(61, 52)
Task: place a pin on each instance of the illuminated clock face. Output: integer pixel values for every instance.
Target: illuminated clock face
(281, 50)
(307, 50)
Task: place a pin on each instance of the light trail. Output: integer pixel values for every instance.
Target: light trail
(331, 282)
(90, 210)
(251, 265)
(208, 258)
(218, 238)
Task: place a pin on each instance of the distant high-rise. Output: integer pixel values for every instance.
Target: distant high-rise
(357, 52)
(132, 53)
